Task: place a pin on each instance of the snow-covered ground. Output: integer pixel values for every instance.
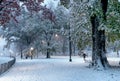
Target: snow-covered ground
(5, 59)
(57, 69)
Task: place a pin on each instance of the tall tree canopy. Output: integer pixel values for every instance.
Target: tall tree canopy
(10, 9)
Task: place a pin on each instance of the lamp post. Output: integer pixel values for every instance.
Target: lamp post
(70, 50)
(70, 46)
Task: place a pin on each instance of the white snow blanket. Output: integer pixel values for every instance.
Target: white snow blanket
(57, 69)
(5, 59)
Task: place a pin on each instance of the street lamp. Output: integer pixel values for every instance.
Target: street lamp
(31, 52)
(70, 46)
(56, 35)
(31, 48)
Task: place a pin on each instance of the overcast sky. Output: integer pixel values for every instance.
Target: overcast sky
(51, 3)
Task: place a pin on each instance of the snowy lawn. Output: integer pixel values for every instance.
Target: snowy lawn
(5, 59)
(57, 69)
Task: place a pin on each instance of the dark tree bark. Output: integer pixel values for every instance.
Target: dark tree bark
(102, 47)
(104, 4)
(94, 31)
(21, 52)
(98, 36)
(48, 50)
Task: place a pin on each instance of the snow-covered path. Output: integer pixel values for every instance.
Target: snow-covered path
(57, 69)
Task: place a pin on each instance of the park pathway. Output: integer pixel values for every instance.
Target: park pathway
(55, 69)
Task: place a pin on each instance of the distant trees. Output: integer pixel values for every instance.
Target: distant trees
(9, 10)
(62, 23)
(26, 31)
(20, 33)
(36, 30)
(30, 33)
(80, 24)
(84, 22)
(113, 29)
(113, 18)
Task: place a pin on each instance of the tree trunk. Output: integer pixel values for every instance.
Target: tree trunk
(64, 46)
(94, 30)
(37, 52)
(98, 36)
(48, 50)
(102, 48)
(99, 58)
(21, 52)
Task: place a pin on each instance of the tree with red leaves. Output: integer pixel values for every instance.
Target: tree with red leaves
(10, 9)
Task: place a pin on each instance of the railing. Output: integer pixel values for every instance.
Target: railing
(5, 66)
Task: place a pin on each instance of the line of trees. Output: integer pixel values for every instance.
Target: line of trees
(83, 22)
(38, 29)
(102, 21)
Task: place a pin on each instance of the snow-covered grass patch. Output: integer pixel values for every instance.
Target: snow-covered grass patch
(5, 59)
